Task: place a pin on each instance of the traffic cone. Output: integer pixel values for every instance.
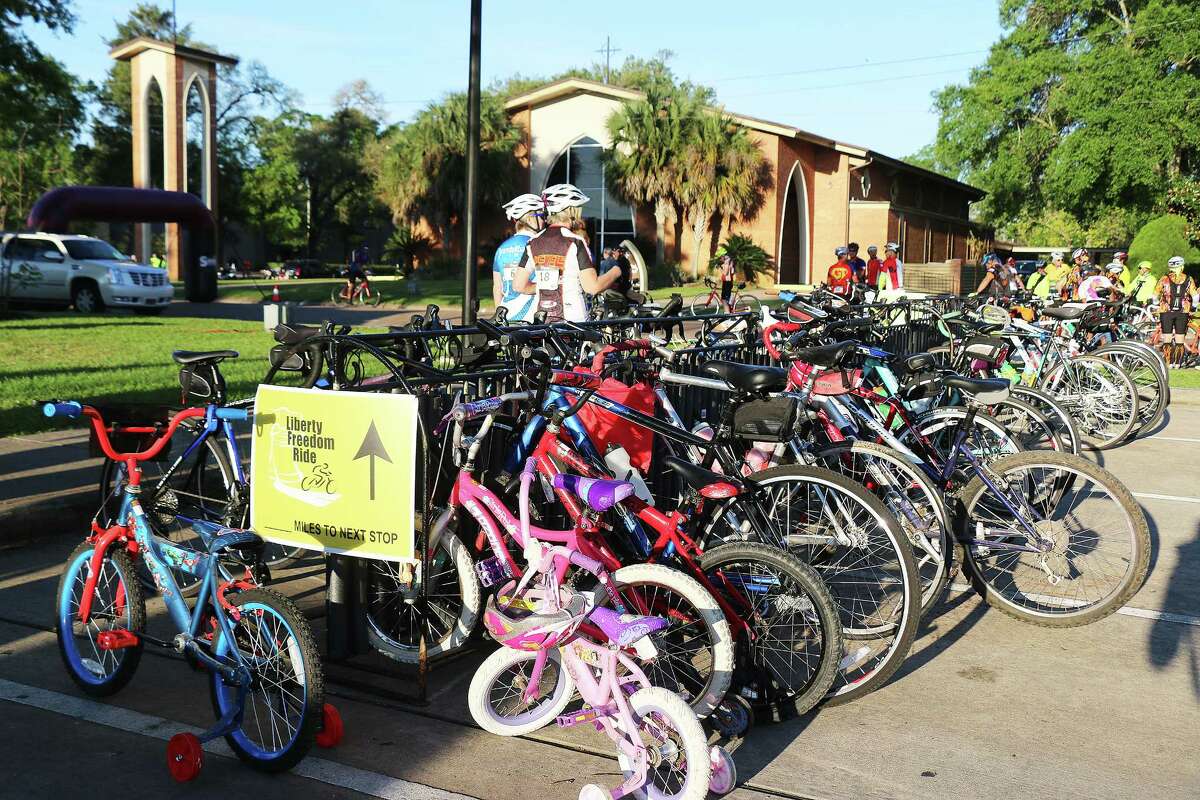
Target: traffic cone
(275, 298)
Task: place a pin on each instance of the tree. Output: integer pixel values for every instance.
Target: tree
(1160, 239)
(311, 179)
(420, 168)
(1080, 107)
(724, 175)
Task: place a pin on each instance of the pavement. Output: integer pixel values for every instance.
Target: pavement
(358, 316)
(984, 707)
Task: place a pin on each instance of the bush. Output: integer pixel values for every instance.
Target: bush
(747, 256)
(1160, 239)
(1183, 198)
(665, 275)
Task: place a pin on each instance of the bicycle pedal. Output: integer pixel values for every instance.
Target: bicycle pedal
(116, 639)
(580, 717)
(491, 571)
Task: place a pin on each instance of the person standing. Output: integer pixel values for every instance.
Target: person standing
(1176, 299)
(857, 265)
(840, 277)
(1081, 261)
(1057, 272)
(993, 281)
(892, 268)
(728, 271)
(527, 212)
(874, 265)
(1013, 276)
(1142, 287)
(557, 265)
(1039, 282)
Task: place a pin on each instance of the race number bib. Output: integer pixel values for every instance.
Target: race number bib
(509, 274)
(547, 279)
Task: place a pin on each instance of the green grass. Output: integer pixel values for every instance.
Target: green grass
(1184, 378)
(114, 358)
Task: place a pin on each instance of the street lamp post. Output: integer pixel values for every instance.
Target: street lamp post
(470, 295)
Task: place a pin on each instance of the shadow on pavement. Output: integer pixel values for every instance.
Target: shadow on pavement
(1172, 639)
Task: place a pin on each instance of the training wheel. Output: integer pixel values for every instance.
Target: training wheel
(591, 791)
(184, 757)
(724, 771)
(332, 729)
(733, 717)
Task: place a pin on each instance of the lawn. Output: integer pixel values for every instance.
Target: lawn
(112, 357)
(1184, 378)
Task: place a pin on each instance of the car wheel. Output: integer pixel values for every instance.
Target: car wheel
(85, 296)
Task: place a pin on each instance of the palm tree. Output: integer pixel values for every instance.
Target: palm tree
(724, 175)
(642, 165)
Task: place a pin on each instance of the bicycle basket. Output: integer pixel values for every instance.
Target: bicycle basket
(769, 420)
(837, 381)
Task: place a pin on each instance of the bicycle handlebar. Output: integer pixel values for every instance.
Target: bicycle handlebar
(68, 409)
(74, 409)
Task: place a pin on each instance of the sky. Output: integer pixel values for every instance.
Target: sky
(861, 72)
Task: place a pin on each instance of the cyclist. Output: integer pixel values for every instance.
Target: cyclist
(857, 264)
(1081, 261)
(1142, 287)
(1039, 282)
(1176, 299)
(1089, 287)
(841, 277)
(528, 212)
(1057, 272)
(995, 279)
(557, 265)
(357, 269)
(892, 268)
(874, 265)
(727, 274)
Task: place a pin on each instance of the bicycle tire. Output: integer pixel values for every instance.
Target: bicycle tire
(747, 302)
(703, 695)
(308, 680)
(921, 501)
(337, 298)
(482, 702)
(70, 582)
(1029, 426)
(1002, 472)
(899, 616)
(688, 744)
(1152, 385)
(696, 307)
(940, 420)
(1058, 416)
(807, 598)
(1103, 394)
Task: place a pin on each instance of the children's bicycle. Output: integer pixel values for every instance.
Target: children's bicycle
(266, 679)
(361, 294)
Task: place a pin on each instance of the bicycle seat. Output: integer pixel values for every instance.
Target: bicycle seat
(295, 334)
(981, 390)
(1063, 312)
(200, 356)
(826, 355)
(599, 494)
(748, 378)
(700, 479)
(625, 629)
(917, 362)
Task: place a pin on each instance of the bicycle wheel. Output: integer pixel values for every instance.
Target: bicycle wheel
(1092, 545)
(747, 302)
(1026, 424)
(117, 604)
(1099, 395)
(703, 304)
(857, 548)
(1151, 385)
(372, 299)
(695, 653)
(496, 697)
(452, 605)
(987, 439)
(285, 701)
(203, 487)
(911, 497)
(679, 765)
(1055, 414)
(337, 296)
(795, 643)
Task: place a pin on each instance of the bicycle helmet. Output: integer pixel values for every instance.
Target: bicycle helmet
(1115, 266)
(522, 627)
(872, 249)
(840, 251)
(895, 248)
(523, 204)
(1077, 252)
(1056, 255)
(1175, 261)
(562, 196)
(1120, 255)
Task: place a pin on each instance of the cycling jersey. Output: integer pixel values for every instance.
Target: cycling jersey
(1176, 296)
(1039, 284)
(557, 256)
(504, 266)
(1141, 288)
(892, 270)
(859, 266)
(839, 278)
(873, 267)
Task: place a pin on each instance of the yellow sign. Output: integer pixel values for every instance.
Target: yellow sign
(334, 471)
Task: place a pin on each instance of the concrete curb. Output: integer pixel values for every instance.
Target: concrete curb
(23, 525)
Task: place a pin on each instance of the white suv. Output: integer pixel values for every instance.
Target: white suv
(86, 272)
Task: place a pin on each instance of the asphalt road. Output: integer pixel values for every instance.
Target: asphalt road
(985, 706)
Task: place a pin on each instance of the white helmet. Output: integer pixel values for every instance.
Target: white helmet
(1175, 261)
(1115, 266)
(895, 248)
(1057, 254)
(562, 196)
(523, 204)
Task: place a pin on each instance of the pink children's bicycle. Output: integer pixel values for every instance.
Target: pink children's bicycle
(661, 746)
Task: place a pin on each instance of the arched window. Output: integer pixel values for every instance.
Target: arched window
(608, 219)
(196, 141)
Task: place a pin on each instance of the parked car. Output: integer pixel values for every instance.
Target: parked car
(87, 273)
(306, 268)
(1027, 268)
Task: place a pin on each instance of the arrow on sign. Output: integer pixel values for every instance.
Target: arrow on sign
(372, 447)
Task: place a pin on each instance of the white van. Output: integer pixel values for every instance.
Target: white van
(82, 271)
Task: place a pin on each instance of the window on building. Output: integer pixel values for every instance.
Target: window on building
(608, 220)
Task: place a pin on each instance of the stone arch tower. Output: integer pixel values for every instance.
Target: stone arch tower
(177, 70)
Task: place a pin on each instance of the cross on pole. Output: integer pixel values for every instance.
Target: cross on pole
(608, 50)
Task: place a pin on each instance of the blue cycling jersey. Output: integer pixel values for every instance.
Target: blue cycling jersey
(508, 256)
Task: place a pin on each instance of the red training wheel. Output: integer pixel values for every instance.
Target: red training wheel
(332, 729)
(184, 757)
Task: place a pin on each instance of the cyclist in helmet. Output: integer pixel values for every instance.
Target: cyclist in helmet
(1143, 286)
(892, 268)
(1176, 299)
(529, 213)
(1057, 272)
(1089, 287)
(1081, 263)
(995, 277)
(557, 265)
(841, 275)
(874, 264)
(857, 264)
(357, 269)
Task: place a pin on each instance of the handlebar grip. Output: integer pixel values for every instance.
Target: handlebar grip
(65, 409)
(233, 414)
(586, 562)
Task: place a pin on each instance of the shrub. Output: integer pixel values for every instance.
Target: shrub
(747, 256)
(1160, 239)
(666, 275)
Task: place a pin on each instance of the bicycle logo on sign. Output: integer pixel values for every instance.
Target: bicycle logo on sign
(321, 478)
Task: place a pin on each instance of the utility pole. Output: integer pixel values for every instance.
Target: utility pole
(608, 50)
(471, 223)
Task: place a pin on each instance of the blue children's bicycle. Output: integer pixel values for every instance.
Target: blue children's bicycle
(266, 678)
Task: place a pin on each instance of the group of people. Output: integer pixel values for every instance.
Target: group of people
(1083, 281)
(849, 270)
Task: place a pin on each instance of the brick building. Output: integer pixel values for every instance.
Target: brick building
(825, 194)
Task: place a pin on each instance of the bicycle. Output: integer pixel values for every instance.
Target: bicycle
(360, 294)
(258, 649)
(713, 302)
